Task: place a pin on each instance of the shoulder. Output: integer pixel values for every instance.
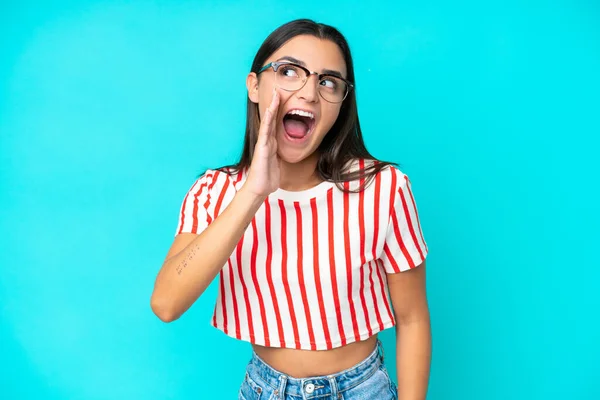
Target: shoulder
(213, 181)
(388, 177)
(390, 182)
(393, 176)
(216, 178)
(357, 164)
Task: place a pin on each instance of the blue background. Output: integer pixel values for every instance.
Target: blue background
(108, 111)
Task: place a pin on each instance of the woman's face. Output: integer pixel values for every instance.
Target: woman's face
(297, 141)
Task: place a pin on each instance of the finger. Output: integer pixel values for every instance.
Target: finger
(263, 133)
(273, 112)
(269, 117)
(275, 100)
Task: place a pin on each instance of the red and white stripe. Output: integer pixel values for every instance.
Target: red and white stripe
(311, 273)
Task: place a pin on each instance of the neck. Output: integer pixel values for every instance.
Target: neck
(301, 175)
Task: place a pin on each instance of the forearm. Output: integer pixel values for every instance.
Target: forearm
(413, 358)
(186, 275)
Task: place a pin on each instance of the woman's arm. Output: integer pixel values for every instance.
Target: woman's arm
(194, 260)
(413, 332)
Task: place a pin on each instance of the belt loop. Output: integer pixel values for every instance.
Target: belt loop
(282, 384)
(334, 388)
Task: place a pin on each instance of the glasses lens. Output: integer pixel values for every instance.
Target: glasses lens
(333, 89)
(290, 77)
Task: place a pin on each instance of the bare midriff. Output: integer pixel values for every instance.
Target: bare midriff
(308, 363)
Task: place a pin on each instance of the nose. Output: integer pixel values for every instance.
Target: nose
(309, 91)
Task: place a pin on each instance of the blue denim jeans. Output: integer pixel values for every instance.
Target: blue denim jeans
(368, 379)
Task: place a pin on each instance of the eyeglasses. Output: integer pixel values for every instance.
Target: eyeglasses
(292, 77)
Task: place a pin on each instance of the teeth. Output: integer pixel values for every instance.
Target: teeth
(302, 113)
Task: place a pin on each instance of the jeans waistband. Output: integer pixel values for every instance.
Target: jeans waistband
(317, 386)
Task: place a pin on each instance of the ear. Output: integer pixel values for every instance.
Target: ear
(252, 85)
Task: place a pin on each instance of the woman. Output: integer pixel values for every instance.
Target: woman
(308, 233)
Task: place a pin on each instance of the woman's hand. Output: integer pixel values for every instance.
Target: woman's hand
(264, 173)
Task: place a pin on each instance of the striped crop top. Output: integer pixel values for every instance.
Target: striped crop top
(310, 270)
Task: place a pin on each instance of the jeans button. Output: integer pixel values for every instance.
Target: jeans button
(310, 388)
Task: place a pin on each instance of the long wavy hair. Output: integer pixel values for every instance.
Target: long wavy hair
(344, 142)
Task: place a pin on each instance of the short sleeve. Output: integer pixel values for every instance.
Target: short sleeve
(194, 215)
(405, 247)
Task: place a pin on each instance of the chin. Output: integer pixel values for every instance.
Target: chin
(292, 156)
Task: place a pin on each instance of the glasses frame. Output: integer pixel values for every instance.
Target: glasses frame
(276, 64)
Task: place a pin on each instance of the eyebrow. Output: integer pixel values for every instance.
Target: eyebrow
(300, 62)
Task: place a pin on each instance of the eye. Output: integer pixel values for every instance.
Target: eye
(289, 71)
(330, 83)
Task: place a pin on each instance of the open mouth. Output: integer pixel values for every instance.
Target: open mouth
(298, 124)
